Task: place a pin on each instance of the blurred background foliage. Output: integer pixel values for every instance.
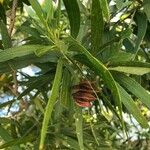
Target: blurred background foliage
(47, 47)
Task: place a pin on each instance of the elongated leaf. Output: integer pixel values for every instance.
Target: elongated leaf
(20, 51)
(2, 12)
(35, 84)
(21, 62)
(105, 9)
(97, 26)
(146, 8)
(100, 70)
(40, 52)
(38, 104)
(58, 12)
(65, 90)
(74, 16)
(131, 70)
(6, 137)
(4, 134)
(70, 142)
(131, 67)
(31, 31)
(79, 128)
(6, 103)
(121, 56)
(47, 6)
(135, 88)
(37, 8)
(142, 27)
(130, 64)
(4, 120)
(5, 36)
(132, 108)
(51, 102)
(18, 141)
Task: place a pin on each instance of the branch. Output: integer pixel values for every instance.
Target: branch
(12, 16)
(10, 29)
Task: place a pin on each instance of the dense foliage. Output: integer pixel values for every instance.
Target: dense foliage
(79, 51)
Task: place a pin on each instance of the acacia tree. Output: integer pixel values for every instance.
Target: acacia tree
(91, 61)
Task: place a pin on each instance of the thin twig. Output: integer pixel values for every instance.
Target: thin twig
(14, 74)
(12, 16)
(15, 82)
(10, 29)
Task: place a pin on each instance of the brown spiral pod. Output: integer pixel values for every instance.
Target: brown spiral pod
(84, 93)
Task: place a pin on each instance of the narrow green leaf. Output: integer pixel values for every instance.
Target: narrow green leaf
(132, 107)
(100, 70)
(79, 126)
(58, 12)
(51, 103)
(142, 27)
(5, 36)
(65, 89)
(38, 104)
(105, 9)
(2, 13)
(47, 6)
(20, 51)
(31, 31)
(4, 120)
(37, 8)
(18, 141)
(131, 70)
(74, 16)
(70, 142)
(58, 110)
(6, 137)
(135, 88)
(146, 8)
(42, 51)
(23, 61)
(4, 134)
(6, 103)
(132, 67)
(35, 84)
(97, 26)
(121, 56)
(110, 106)
(130, 64)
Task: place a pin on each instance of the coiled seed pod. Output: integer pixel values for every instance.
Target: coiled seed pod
(84, 93)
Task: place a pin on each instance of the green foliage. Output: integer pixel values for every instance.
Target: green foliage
(132, 108)
(97, 26)
(5, 36)
(73, 11)
(66, 42)
(51, 102)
